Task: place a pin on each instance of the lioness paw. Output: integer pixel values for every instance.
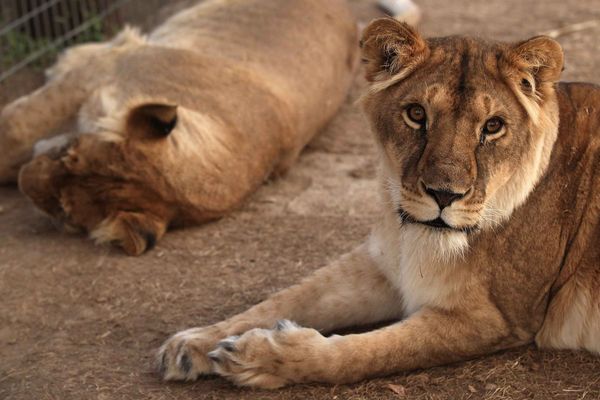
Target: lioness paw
(270, 358)
(183, 356)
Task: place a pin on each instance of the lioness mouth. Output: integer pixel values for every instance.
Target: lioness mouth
(437, 223)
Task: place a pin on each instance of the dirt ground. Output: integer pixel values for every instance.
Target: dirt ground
(81, 322)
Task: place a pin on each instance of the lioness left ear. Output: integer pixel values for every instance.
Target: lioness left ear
(540, 56)
(390, 47)
(152, 121)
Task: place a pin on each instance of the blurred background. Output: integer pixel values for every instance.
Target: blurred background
(33, 31)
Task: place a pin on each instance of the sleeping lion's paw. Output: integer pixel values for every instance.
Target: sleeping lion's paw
(271, 358)
(183, 357)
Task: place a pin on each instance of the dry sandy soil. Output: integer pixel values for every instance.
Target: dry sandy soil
(82, 322)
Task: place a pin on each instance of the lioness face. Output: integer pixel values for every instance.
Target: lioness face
(465, 127)
(122, 187)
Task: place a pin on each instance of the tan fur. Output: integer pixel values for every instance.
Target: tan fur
(518, 259)
(179, 126)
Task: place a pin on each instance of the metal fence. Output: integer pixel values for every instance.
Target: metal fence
(33, 31)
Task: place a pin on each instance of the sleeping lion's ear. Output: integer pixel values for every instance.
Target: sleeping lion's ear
(390, 47)
(541, 57)
(152, 121)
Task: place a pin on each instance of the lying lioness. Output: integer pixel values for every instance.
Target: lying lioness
(489, 235)
(180, 126)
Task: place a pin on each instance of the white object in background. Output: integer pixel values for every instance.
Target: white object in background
(403, 10)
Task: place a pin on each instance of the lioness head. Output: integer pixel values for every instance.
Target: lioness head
(128, 181)
(465, 127)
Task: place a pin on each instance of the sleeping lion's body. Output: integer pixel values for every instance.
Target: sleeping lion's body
(179, 126)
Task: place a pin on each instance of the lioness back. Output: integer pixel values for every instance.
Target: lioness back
(183, 124)
(573, 317)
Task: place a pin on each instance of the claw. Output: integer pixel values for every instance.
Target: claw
(214, 356)
(228, 344)
(185, 363)
(284, 324)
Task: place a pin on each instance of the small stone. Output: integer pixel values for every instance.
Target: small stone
(398, 389)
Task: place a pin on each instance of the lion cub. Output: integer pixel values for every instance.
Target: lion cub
(488, 237)
(179, 126)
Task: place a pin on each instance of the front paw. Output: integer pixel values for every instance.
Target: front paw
(271, 358)
(183, 357)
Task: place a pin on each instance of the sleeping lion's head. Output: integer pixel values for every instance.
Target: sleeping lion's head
(465, 126)
(134, 175)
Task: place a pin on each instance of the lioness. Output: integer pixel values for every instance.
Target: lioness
(180, 126)
(489, 230)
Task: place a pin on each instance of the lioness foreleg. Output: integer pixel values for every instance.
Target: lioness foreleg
(349, 292)
(291, 354)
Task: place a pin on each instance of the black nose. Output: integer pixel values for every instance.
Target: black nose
(443, 197)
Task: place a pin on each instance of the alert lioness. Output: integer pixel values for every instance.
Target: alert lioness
(489, 230)
(179, 126)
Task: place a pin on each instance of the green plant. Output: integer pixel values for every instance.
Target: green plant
(16, 46)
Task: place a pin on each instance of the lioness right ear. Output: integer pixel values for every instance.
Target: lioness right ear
(390, 47)
(151, 121)
(541, 56)
(534, 65)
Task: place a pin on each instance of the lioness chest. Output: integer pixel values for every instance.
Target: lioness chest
(426, 269)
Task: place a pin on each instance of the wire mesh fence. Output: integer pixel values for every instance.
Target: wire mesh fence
(32, 32)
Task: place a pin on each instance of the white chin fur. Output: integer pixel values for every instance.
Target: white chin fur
(442, 245)
(419, 261)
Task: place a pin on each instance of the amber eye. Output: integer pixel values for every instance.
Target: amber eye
(416, 113)
(415, 116)
(493, 125)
